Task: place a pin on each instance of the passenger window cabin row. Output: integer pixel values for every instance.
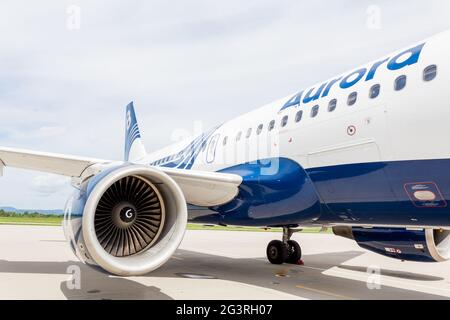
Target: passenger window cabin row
(429, 74)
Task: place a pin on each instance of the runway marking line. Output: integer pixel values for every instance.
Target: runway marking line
(314, 268)
(325, 292)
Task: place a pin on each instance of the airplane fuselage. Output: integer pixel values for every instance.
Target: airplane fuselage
(369, 147)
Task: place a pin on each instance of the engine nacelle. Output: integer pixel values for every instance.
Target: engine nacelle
(426, 245)
(129, 220)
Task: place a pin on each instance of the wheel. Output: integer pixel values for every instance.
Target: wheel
(294, 253)
(277, 252)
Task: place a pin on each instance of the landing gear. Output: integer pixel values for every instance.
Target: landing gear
(286, 251)
(277, 252)
(294, 252)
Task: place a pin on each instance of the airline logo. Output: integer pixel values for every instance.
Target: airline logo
(400, 61)
(131, 129)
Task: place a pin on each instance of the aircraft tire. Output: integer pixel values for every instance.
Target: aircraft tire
(277, 252)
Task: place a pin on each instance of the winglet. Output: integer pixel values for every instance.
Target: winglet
(134, 148)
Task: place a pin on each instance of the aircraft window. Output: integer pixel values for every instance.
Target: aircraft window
(284, 121)
(298, 116)
(430, 73)
(249, 133)
(332, 105)
(352, 97)
(271, 125)
(239, 135)
(400, 83)
(374, 91)
(314, 111)
(225, 141)
(260, 129)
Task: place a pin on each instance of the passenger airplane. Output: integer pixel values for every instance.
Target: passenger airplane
(366, 153)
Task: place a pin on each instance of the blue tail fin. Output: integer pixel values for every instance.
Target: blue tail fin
(134, 148)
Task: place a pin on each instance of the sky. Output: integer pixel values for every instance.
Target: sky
(68, 68)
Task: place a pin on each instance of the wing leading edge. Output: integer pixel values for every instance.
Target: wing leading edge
(200, 188)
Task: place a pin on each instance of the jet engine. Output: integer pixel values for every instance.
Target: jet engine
(128, 220)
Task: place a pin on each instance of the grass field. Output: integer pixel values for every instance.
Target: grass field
(45, 221)
(57, 220)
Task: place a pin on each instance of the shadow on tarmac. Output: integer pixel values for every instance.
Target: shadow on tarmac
(307, 281)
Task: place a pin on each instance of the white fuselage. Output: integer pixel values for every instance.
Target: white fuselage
(396, 125)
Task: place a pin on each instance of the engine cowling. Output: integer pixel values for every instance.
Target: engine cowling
(425, 245)
(129, 220)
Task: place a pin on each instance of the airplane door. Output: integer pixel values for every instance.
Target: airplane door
(347, 165)
(211, 151)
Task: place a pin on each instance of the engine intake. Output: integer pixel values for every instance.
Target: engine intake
(129, 216)
(132, 220)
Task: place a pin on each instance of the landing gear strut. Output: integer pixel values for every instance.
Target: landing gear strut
(286, 251)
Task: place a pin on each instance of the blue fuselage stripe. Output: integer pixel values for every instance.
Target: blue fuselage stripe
(380, 193)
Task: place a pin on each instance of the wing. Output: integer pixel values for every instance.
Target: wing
(200, 188)
(66, 165)
(205, 189)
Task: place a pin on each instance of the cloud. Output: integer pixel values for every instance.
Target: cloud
(180, 61)
(48, 184)
(34, 134)
(50, 131)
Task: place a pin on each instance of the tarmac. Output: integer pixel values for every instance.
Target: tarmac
(36, 262)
